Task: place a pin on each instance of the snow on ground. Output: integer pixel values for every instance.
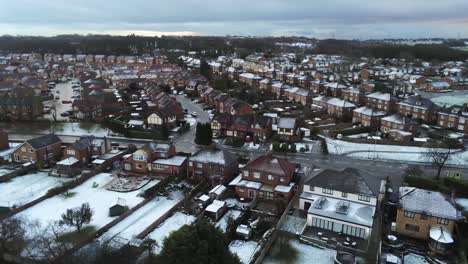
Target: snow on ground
(171, 224)
(233, 202)
(304, 145)
(305, 254)
(135, 223)
(414, 259)
(251, 145)
(191, 120)
(381, 152)
(223, 222)
(92, 192)
(361, 135)
(449, 100)
(24, 189)
(4, 171)
(244, 249)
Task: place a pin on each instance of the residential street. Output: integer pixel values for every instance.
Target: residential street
(64, 91)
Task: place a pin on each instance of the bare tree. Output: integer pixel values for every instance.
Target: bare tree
(12, 235)
(439, 153)
(46, 244)
(77, 217)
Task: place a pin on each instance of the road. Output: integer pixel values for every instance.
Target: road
(64, 91)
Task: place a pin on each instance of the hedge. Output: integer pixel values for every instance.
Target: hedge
(353, 131)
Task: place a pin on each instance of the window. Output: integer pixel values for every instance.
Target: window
(423, 216)
(282, 179)
(327, 191)
(128, 166)
(343, 194)
(408, 214)
(70, 152)
(199, 165)
(190, 164)
(246, 173)
(241, 190)
(364, 198)
(256, 175)
(16, 157)
(413, 228)
(442, 221)
(251, 194)
(271, 178)
(31, 150)
(270, 196)
(23, 149)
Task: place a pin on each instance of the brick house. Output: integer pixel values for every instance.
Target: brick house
(397, 122)
(455, 117)
(162, 117)
(381, 101)
(426, 215)
(340, 108)
(4, 143)
(288, 130)
(367, 116)
(141, 161)
(84, 149)
(41, 150)
(267, 178)
(217, 166)
(335, 89)
(418, 107)
(265, 84)
(354, 95)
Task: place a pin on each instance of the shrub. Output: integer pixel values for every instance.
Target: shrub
(293, 148)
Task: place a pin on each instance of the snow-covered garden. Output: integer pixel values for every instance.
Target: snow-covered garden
(173, 223)
(24, 189)
(245, 250)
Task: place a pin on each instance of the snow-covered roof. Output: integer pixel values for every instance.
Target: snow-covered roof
(136, 123)
(368, 111)
(284, 188)
(215, 206)
(430, 202)
(204, 198)
(340, 103)
(174, 161)
(238, 181)
(287, 122)
(67, 162)
(347, 211)
(380, 96)
(218, 189)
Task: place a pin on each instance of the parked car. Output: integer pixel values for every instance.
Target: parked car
(66, 102)
(65, 114)
(194, 114)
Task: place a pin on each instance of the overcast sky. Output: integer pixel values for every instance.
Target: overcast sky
(321, 19)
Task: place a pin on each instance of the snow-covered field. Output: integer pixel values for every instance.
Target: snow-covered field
(450, 100)
(171, 224)
(92, 192)
(223, 222)
(135, 223)
(24, 189)
(244, 249)
(305, 254)
(381, 152)
(251, 145)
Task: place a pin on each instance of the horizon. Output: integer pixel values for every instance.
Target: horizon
(355, 19)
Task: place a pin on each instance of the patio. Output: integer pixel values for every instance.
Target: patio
(340, 241)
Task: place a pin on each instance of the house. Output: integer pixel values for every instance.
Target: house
(141, 161)
(454, 117)
(397, 122)
(340, 108)
(41, 150)
(427, 215)
(367, 116)
(354, 95)
(217, 166)
(267, 178)
(381, 101)
(335, 89)
(287, 129)
(339, 201)
(162, 117)
(83, 149)
(4, 143)
(418, 107)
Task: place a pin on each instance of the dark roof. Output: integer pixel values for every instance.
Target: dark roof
(83, 143)
(271, 165)
(419, 101)
(43, 141)
(349, 180)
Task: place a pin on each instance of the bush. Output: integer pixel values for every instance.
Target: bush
(353, 131)
(276, 146)
(284, 147)
(293, 148)
(323, 144)
(234, 142)
(302, 150)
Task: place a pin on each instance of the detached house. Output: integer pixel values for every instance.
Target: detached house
(218, 166)
(427, 215)
(367, 116)
(339, 201)
(41, 150)
(84, 148)
(266, 177)
(158, 159)
(354, 95)
(287, 129)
